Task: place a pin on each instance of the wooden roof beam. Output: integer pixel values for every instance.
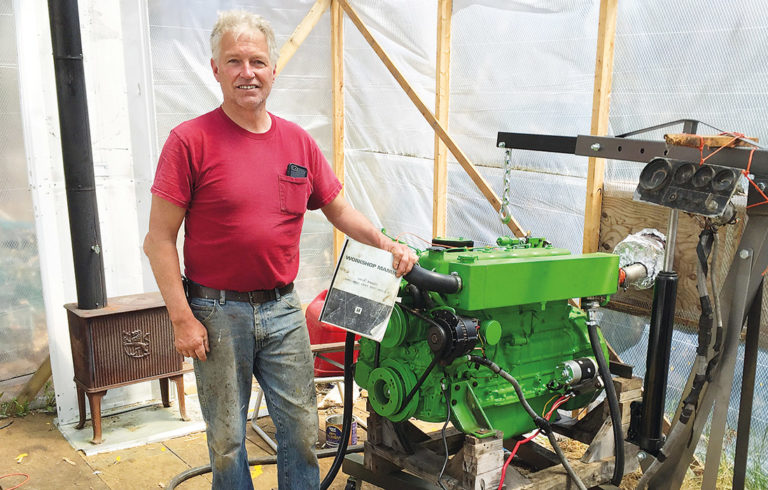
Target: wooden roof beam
(468, 167)
(300, 33)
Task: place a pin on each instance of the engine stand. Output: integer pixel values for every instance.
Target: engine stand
(476, 463)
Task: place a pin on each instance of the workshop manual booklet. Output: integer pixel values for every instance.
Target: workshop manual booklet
(362, 292)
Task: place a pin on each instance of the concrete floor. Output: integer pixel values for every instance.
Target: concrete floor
(52, 463)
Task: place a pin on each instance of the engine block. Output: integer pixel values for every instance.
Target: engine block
(513, 309)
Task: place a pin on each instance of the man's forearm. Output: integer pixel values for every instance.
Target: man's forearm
(164, 259)
(357, 227)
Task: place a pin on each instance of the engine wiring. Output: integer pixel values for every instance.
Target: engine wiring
(540, 421)
(519, 443)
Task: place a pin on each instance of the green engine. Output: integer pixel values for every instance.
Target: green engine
(512, 308)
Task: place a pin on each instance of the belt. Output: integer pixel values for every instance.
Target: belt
(195, 290)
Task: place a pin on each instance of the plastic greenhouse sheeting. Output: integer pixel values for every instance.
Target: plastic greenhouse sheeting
(517, 66)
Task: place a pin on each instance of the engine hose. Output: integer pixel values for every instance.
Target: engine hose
(346, 427)
(433, 281)
(613, 403)
(540, 421)
(338, 453)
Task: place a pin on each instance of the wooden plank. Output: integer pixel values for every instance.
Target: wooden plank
(555, 477)
(300, 33)
(355, 466)
(606, 33)
(337, 59)
(425, 464)
(330, 347)
(468, 167)
(695, 140)
(442, 104)
(36, 382)
(536, 456)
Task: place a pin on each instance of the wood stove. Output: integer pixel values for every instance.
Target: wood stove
(126, 342)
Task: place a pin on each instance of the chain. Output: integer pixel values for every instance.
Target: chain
(504, 213)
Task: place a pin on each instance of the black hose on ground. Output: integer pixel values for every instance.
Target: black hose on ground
(346, 427)
(337, 453)
(540, 421)
(613, 403)
(201, 470)
(428, 280)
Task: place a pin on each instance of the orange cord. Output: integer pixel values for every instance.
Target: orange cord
(398, 237)
(736, 136)
(701, 148)
(16, 474)
(759, 190)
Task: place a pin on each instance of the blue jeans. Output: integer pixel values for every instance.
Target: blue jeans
(269, 340)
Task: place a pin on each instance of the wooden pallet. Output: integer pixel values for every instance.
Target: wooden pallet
(476, 464)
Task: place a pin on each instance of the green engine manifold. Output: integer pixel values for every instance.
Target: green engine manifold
(513, 309)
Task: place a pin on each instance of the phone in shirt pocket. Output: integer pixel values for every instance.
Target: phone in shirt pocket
(296, 170)
(294, 189)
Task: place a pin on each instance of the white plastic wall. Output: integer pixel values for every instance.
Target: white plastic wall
(521, 66)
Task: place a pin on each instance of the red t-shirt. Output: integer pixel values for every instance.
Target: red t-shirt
(244, 214)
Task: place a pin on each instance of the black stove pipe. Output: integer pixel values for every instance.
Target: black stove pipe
(77, 155)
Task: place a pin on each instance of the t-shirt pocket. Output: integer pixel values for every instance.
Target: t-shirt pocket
(294, 193)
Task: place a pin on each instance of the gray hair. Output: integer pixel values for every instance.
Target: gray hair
(239, 22)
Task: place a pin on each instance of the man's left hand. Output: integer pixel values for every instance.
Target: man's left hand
(403, 258)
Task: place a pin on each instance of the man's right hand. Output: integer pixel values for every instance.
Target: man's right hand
(191, 338)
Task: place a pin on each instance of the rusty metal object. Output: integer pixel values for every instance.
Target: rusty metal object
(127, 342)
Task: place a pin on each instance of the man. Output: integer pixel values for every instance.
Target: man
(242, 178)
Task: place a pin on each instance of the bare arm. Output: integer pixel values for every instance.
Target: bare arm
(191, 337)
(356, 226)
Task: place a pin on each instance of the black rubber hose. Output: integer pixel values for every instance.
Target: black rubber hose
(201, 470)
(433, 281)
(346, 427)
(338, 453)
(613, 403)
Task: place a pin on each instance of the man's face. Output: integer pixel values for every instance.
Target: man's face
(244, 71)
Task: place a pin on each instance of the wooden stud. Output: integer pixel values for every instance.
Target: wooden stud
(442, 98)
(606, 34)
(36, 382)
(337, 60)
(468, 167)
(300, 33)
(695, 140)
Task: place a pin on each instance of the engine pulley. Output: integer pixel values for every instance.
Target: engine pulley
(388, 387)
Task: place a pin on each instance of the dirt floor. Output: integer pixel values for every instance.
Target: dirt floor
(33, 446)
